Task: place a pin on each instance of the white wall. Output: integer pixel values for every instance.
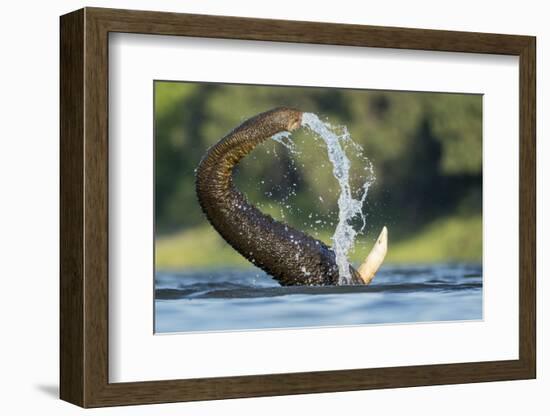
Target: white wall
(29, 206)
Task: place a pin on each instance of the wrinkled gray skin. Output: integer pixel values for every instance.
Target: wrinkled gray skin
(291, 256)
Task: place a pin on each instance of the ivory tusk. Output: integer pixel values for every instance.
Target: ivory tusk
(375, 258)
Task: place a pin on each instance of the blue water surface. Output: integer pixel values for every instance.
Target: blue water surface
(246, 299)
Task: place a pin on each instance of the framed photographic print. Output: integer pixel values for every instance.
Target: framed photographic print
(255, 207)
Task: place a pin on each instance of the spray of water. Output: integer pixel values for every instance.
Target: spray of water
(337, 139)
(284, 138)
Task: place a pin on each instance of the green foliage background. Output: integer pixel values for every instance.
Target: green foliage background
(425, 148)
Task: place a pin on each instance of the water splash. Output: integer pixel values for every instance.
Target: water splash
(284, 139)
(337, 139)
(343, 239)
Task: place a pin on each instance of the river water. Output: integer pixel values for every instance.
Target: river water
(248, 299)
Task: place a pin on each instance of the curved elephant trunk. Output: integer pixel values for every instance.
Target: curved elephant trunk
(291, 256)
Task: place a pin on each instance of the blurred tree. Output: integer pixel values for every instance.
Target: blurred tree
(425, 149)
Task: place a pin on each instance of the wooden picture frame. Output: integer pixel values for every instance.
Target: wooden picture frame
(84, 207)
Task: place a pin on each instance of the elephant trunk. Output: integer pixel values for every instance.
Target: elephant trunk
(291, 256)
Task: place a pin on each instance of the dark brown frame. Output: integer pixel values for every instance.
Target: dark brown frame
(84, 207)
